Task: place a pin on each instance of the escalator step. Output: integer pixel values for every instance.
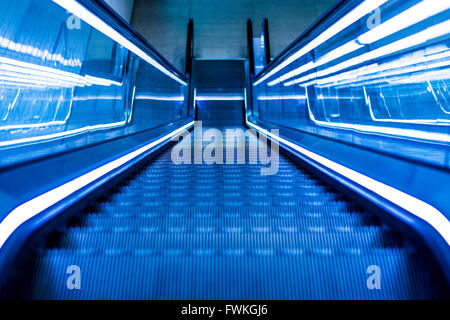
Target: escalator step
(231, 277)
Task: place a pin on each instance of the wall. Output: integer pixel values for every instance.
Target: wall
(220, 26)
(122, 7)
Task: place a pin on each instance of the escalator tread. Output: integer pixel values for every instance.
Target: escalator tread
(226, 232)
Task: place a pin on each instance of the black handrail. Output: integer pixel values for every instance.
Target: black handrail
(101, 9)
(266, 37)
(335, 11)
(189, 48)
(251, 51)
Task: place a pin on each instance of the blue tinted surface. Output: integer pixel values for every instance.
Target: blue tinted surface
(60, 77)
(386, 74)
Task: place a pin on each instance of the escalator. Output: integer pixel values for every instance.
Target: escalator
(96, 203)
(198, 231)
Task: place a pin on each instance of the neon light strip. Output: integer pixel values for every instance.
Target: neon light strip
(64, 134)
(29, 126)
(89, 98)
(33, 207)
(219, 98)
(281, 97)
(422, 37)
(23, 72)
(42, 54)
(407, 18)
(159, 98)
(393, 69)
(405, 201)
(420, 12)
(95, 22)
(363, 9)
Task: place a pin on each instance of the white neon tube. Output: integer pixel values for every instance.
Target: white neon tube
(43, 54)
(24, 72)
(159, 98)
(81, 12)
(49, 137)
(407, 18)
(397, 67)
(415, 206)
(363, 9)
(282, 97)
(336, 53)
(33, 207)
(219, 98)
(419, 38)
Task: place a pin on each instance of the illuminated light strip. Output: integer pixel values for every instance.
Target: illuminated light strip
(95, 22)
(34, 69)
(88, 98)
(336, 53)
(415, 206)
(419, 38)
(281, 97)
(363, 9)
(44, 55)
(101, 81)
(33, 207)
(322, 97)
(29, 78)
(12, 105)
(132, 105)
(25, 71)
(19, 84)
(407, 18)
(350, 77)
(29, 126)
(64, 134)
(37, 82)
(405, 43)
(219, 98)
(159, 98)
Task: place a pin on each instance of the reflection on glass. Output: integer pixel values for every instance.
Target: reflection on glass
(386, 72)
(61, 77)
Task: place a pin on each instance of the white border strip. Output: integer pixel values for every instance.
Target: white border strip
(37, 205)
(407, 202)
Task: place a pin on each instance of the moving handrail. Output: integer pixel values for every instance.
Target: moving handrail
(285, 53)
(113, 19)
